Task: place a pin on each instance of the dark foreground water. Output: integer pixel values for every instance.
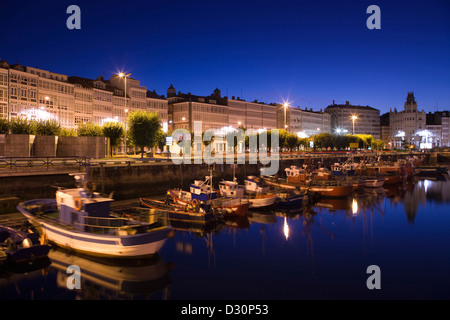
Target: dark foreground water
(319, 252)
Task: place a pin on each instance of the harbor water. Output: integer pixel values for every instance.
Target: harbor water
(318, 251)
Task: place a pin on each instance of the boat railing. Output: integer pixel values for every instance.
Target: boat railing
(140, 221)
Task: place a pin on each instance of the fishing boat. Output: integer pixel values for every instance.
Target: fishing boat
(22, 244)
(81, 219)
(374, 182)
(197, 212)
(236, 206)
(202, 191)
(275, 181)
(231, 189)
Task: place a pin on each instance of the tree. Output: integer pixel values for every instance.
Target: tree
(114, 131)
(292, 141)
(89, 129)
(323, 140)
(47, 128)
(22, 126)
(4, 126)
(143, 127)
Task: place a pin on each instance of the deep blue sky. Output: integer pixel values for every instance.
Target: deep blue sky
(309, 52)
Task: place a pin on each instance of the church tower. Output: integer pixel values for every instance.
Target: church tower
(410, 104)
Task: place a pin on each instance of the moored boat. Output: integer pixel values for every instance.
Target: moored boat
(331, 189)
(80, 219)
(198, 213)
(22, 244)
(287, 200)
(430, 169)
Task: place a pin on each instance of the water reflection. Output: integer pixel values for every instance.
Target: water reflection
(106, 279)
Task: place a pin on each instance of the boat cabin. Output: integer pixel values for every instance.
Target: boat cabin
(202, 191)
(255, 185)
(296, 174)
(75, 205)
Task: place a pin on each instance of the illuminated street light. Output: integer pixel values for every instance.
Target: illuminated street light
(354, 117)
(286, 105)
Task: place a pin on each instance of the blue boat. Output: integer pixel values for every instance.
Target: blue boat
(22, 244)
(290, 200)
(80, 219)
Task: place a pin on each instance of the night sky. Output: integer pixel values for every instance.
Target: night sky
(307, 52)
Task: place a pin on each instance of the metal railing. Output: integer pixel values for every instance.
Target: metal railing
(11, 163)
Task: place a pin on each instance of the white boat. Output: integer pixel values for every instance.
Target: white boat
(80, 219)
(374, 182)
(232, 189)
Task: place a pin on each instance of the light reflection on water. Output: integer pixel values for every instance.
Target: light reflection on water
(316, 252)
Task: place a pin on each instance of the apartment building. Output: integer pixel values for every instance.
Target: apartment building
(251, 115)
(347, 118)
(303, 122)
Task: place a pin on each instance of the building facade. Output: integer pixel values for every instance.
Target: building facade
(407, 126)
(251, 115)
(366, 121)
(42, 95)
(303, 122)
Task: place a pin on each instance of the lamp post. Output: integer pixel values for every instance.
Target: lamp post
(354, 117)
(286, 105)
(125, 75)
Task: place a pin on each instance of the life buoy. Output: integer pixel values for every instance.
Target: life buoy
(344, 170)
(195, 202)
(78, 204)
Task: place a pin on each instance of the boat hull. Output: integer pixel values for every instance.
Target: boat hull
(332, 191)
(262, 201)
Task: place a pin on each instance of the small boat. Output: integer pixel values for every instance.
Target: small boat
(374, 182)
(22, 244)
(331, 189)
(203, 192)
(80, 219)
(290, 200)
(428, 169)
(235, 206)
(200, 212)
(279, 183)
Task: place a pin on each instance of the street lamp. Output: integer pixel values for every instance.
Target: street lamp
(125, 75)
(286, 105)
(125, 140)
(354, 117)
